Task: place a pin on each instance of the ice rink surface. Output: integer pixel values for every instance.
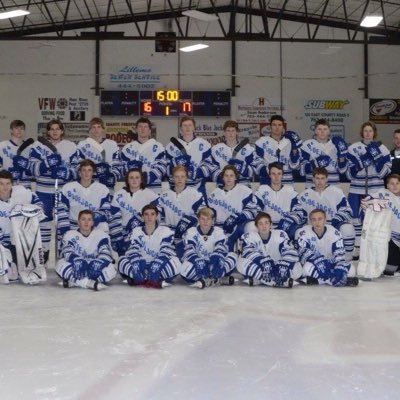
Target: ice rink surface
(187, 344)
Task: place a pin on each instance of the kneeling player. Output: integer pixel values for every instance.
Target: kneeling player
(268, 258)
(322, 253)
(86, 256)
(206, 258)
(151, 260)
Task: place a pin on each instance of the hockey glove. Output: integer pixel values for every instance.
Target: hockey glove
(339, 276)
(155, 268)
(135, 221)
(62, 173)
(98, 217)
(20, 162)
(322, 161)
(202, 269)
(108, 180)
(230, 223)
(135, 164)
(217, 266)
(267, 263)
(374, 150)
(151, 178)
(102, 169)
(16, 174)
(54, 160)
(238, 164)
(337, 223)
(137, 270)
(366, 160)
(280, 272)
(183, 225)
(294, 139)
(81, 268)
(95, 268)
(341, 146)
(184, 160)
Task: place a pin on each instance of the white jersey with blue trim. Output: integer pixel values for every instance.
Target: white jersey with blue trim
(394, 206)
(86, 151)
(310, 150)
(238, 200)
(19, 196)
(175, 205)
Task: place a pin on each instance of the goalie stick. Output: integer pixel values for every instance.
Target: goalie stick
(132, 135)
(179, 145)
(239, 147)
(24, 145)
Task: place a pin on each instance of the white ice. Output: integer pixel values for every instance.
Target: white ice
(187, 344)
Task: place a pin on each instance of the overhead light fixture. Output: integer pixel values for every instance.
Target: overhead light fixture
(202, 16)
(14, 13)
(371, 20)
(194, 47)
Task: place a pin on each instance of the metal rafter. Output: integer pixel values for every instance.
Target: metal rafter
(278, 20)
(321, 19)
(129, 4)
(263, 7)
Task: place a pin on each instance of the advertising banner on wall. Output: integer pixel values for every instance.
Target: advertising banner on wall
(74, 131)
(384, 111)
(212, 131)
(117, 131)
(257, 109)
(67, 109)
(133, 77)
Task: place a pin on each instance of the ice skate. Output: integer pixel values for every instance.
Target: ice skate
(352, 281)
(4, 279)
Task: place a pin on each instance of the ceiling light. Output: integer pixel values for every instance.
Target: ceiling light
(371, 20)
(202, 16)
(14, 13)
(194, 47)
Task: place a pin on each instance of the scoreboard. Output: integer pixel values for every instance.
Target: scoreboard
(165, 103)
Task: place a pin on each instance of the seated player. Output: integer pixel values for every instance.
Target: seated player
(332, 200)
(280, 202)
(322, 253)
(267, 256)
(223, 154)
(234, 205)
(146, 154)
(324, 152)
(150, 260)
(86, 256)
(206, 259)
(10, 197)
(81, 195)
(179, 206)
(125, 209)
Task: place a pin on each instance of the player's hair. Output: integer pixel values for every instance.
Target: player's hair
(96, 121)
(322, 121)
(17, 123)
(143, 120)
(320, 171)
(142, 177)
(87, 163)
(231, 124)
(180, 168)
(86, 212)
(316, 211)
(231, 168)
(262, 215)
(4, 174)
(276, 117)
(207, 212)
(275, 164)
(372, 125)
(393, 176)
(149, 207)
(396, 131)
(55, 122)
(186, 118)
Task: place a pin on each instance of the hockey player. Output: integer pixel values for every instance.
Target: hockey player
(52, 167)
(281, 147)
(10, 197)
(147, 154)
(234, 205)
(179, 206)
(126, 206)
(369, 163)
(86, 256)
(324, 151)
(267, 256)
(207, 259)
(280, 202)
(395, 153)
(226, 153)
(103, 152)
(81, 195)
(195, 155)
(332, 200)
(150, 260)
(10, 160)
(322, 253)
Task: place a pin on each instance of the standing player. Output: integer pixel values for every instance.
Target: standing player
(369, 163)
(332, 200)
(103, 152)
(395, 153)
(151, 260)
(195, 155)
(280, 202)
(52, 168)
(324, 152)
(322, 253)
(267, 256)
(225, 153)
(86, 256)
(81, 195)
(207, 259)
(147, 154)
(9, 160)
(278, 147)
(126, 206)
(234, 205)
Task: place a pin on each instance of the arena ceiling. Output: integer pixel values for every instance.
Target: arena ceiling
(236, 19)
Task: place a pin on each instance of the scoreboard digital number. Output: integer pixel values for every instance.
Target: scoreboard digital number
(165, 103)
